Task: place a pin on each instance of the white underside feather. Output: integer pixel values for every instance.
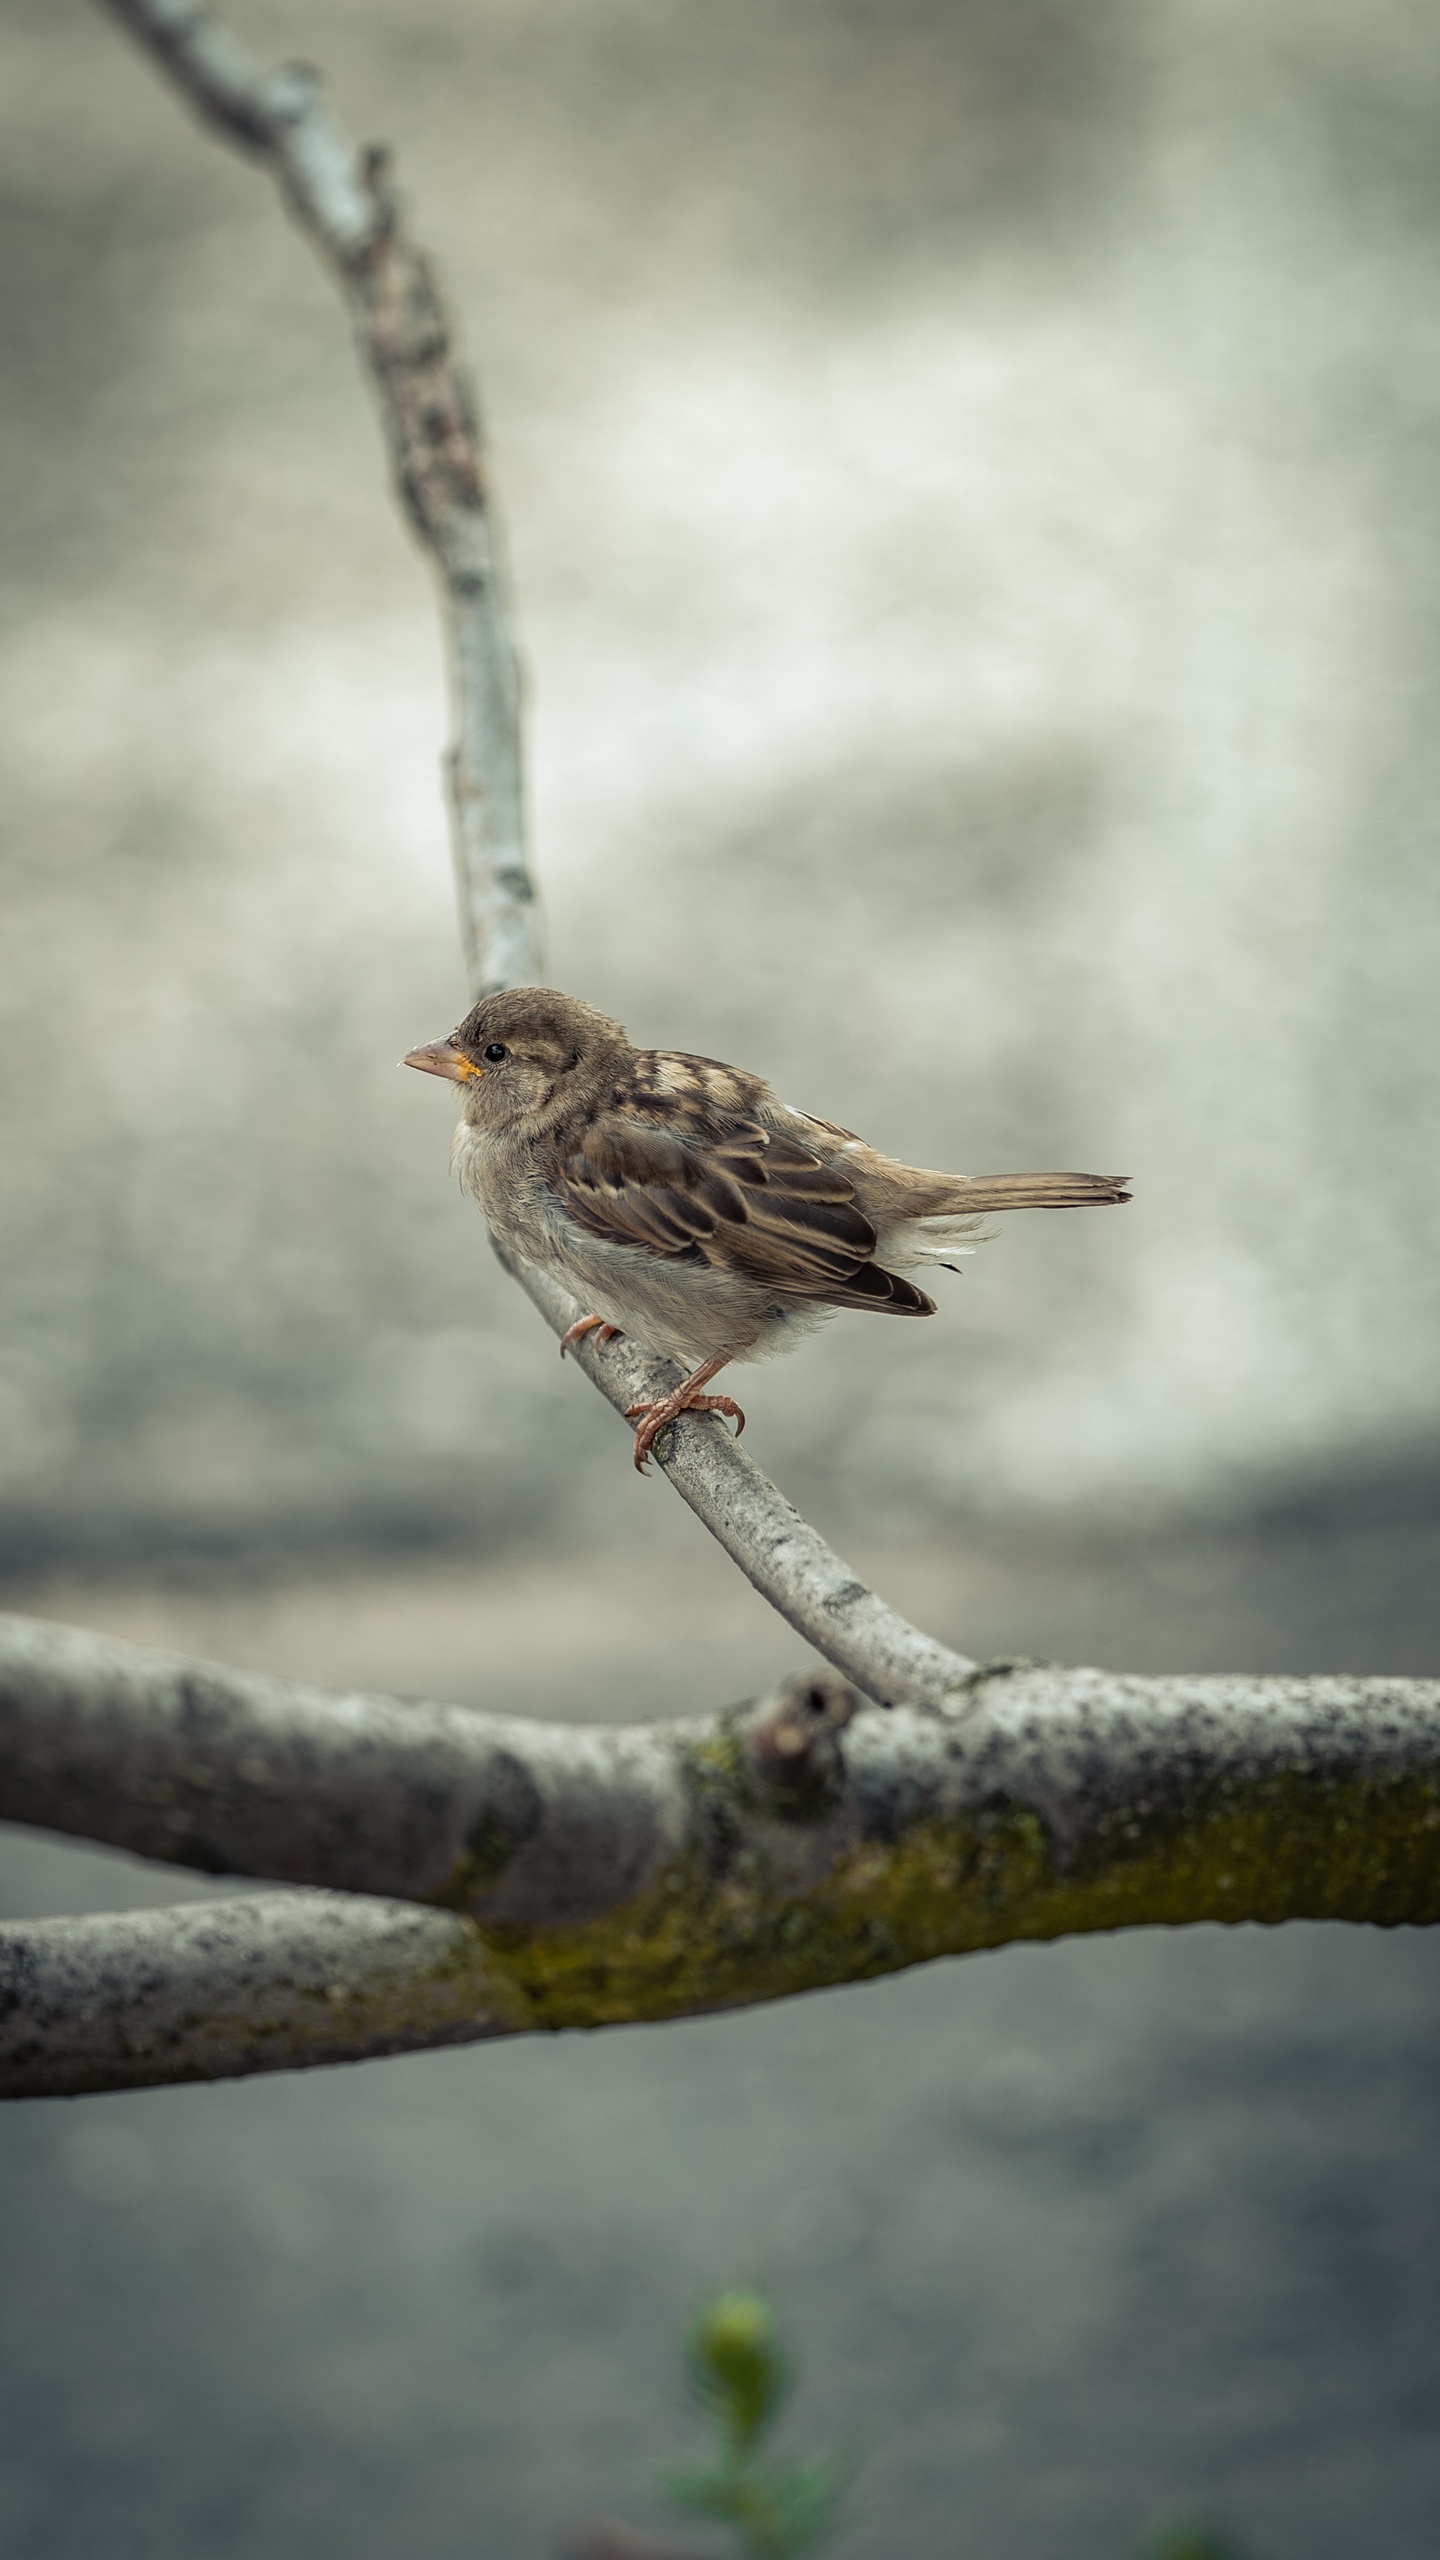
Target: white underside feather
(925, 1242)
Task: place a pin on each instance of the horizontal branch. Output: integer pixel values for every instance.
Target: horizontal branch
(343, 199)
(238, 1773)
(218, 1990)
(607, 1876)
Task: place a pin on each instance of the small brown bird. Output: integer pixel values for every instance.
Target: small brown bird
(685, 1204)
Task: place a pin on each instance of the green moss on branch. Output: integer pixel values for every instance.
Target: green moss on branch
(716, 1929)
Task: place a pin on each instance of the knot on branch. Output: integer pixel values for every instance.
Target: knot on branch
(791, 1743)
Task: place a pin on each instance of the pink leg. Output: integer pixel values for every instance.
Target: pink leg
(687, 1398)
(587, 1324)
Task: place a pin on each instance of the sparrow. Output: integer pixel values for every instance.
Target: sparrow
(684, 1204)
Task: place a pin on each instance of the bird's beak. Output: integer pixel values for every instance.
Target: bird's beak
(441, 1058)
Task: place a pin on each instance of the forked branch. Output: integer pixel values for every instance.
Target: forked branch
(579, 1877)
(535, 1876)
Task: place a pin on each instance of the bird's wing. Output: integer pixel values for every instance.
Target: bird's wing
(744, 1198)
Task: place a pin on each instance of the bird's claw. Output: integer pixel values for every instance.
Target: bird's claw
(587, 1324)
(652, 1419)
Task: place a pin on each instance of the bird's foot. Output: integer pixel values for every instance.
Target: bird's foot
(652, 1418)
(588, 1324)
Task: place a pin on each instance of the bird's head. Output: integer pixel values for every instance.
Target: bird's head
(521, 1056)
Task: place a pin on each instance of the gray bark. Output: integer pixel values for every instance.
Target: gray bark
(217, 1990)
(597, 1877)
(236, 1773)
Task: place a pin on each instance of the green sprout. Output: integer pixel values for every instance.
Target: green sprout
(741, 2378)
(740, 2375)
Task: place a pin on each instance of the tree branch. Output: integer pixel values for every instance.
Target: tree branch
(788, 1562)
(594, 1876)
(342, 198)
(236, 1773)
(609, 1876)
(217, 1990)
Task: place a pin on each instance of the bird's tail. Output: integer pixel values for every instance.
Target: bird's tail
(955, 1225)
(983, 1193)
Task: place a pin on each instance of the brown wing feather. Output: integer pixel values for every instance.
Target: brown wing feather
(745, 1199)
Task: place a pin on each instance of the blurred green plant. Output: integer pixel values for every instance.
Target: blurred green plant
(741, 2377)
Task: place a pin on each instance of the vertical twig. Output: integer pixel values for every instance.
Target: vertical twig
(342, 197)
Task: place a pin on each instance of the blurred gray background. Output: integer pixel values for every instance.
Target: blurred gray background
(971, 478)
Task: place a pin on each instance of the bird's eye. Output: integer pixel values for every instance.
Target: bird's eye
(496, 1051)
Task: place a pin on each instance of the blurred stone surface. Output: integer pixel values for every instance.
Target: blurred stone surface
(1064, 2238)
(970, 475)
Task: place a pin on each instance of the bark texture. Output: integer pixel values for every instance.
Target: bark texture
(215, 1991)
(597, 1877)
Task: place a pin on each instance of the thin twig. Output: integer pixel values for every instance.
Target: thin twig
(788, 1561)
(343, 199)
